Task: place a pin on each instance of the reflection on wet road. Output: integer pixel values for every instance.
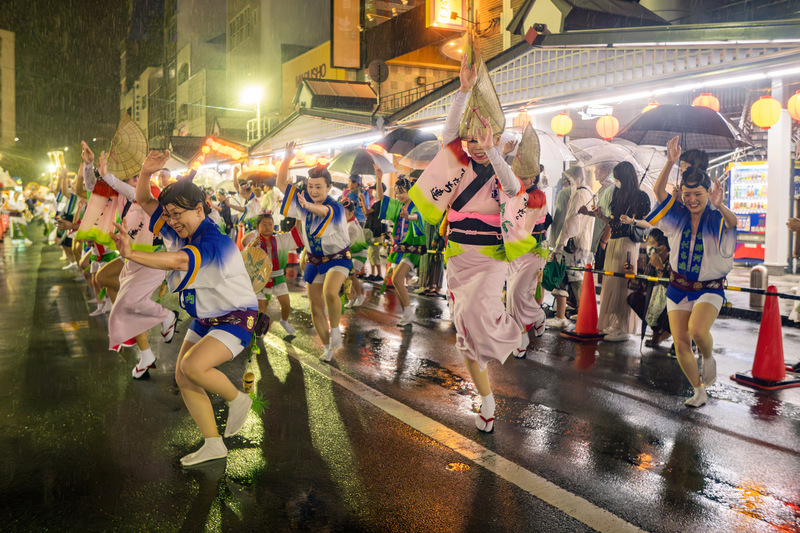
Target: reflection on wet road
(382, 439)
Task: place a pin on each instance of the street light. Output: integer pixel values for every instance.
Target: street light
(252, 95)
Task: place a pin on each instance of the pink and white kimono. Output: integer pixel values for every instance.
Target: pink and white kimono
(134, 310)
(97, 223)
(523, 272)
(486, 230)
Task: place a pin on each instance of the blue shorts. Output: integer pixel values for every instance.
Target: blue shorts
(312, 271)
(240, 333)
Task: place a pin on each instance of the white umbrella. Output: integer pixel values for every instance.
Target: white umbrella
(551, 146)
(207, 177)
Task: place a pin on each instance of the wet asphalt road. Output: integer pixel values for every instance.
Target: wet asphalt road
(85, 448)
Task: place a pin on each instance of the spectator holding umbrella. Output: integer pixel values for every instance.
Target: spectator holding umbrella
(616, 319)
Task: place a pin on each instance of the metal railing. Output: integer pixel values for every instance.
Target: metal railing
(393, 102)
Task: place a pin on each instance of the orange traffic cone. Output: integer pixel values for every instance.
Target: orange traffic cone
(769, 370)
(586, 326)
(239, 237)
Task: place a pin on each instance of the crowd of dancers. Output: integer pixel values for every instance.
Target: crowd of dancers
(132, 237)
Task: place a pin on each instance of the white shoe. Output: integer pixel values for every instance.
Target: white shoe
(28, 242)
(359, 300)
(709, 371)
(698, 399)
(336, 339)
(556, 323)
(327, 354)
(287, 327)
(408, 317)
(349, 304)
(70, 266)
(616, 335)
(212, 449)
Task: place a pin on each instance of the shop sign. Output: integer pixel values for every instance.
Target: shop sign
(446, 14)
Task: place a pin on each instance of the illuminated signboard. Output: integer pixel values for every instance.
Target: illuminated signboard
(446, 14)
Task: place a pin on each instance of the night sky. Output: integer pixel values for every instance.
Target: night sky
(68, 81)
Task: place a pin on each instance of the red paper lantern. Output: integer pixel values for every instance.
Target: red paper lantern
(607, 127)
(522, 120)
(561, 124)
(765, 112)
(794, 106)
(706, 100)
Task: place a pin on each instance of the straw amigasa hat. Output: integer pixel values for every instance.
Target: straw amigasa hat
(128, 150)
(483, 102)
(526, 162)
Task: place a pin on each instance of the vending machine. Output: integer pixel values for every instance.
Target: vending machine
(747, 198)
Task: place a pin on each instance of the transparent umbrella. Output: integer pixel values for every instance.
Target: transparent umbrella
(601, 157)
(550, 145)
(360, 161)
(420, 156)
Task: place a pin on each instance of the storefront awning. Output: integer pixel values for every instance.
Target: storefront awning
(319, 130)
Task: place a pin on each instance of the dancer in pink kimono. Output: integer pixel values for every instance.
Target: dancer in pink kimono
(523, 272)
(134, 312)
(486, 219)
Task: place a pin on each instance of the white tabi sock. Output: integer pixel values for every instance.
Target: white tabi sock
(237, 413)
(212, 448)
(484, 421)
(146, 359)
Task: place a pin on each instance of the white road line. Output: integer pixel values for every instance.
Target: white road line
(563, 500)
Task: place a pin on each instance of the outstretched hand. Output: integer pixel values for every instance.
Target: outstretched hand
(102, 163)
(509, 146)
(673, 150)
(715, 196)
(468, 75)
(290, 146)
(154, 162)
(485, 136)
(86, 153)
(122, 240)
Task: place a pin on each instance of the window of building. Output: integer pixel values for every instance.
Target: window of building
(240, 28)
(183, 112)
(183, 73)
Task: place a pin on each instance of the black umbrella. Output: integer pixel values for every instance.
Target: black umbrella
(402, 140)
(696, 127)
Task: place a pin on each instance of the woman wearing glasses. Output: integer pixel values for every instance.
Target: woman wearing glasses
(208, 272)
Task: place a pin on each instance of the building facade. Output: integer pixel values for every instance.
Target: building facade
(8, 103)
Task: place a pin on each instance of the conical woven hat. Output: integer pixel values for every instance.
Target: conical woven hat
(128, 150)
(483, 102)
(526, 162)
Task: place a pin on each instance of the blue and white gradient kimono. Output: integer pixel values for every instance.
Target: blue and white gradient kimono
(707, 257)
(216, 282)
(322, 235)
